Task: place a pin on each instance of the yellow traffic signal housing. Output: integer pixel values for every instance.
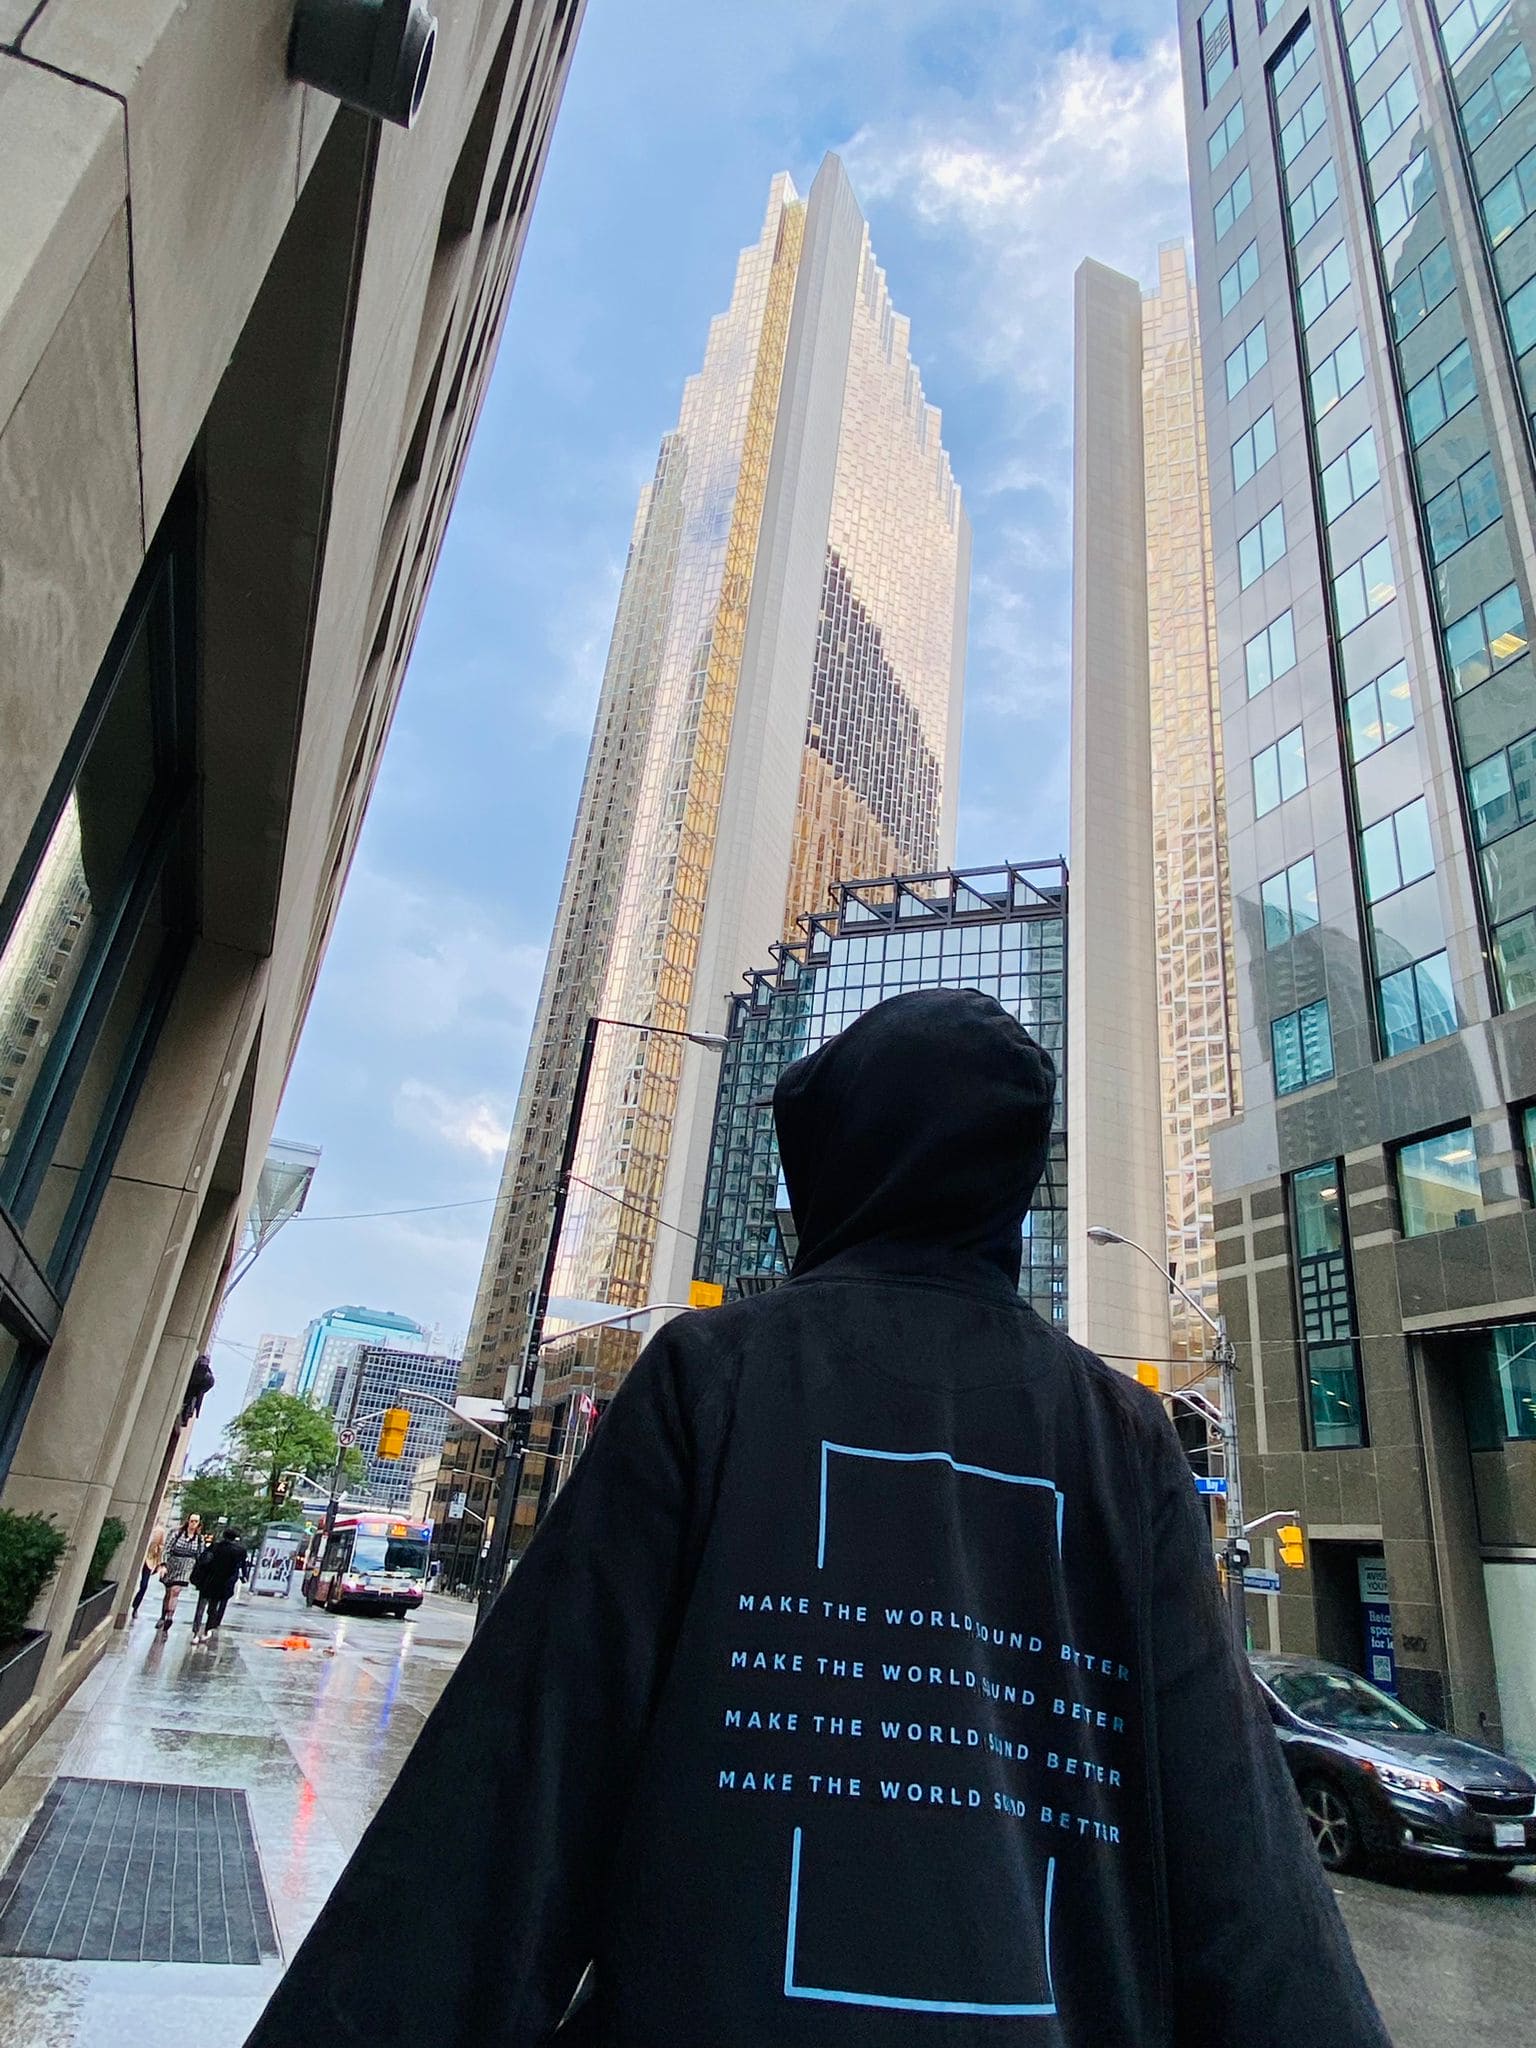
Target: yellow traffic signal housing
(705, 1294)
(1150, 1376)
(1293, 1546)
(392, 1432)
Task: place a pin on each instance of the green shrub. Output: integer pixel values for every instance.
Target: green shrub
(108, 1543)
(30, 1549)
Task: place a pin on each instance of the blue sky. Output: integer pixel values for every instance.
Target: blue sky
(992, 147)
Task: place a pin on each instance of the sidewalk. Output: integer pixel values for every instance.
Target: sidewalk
(312, 1733)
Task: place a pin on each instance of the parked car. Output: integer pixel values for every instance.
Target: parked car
(1376, 1780)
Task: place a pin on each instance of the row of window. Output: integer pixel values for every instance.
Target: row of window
(1467, 506)
(1486, 639)
(1240, 278)
(1367, 44)
(1405, 196)
(1313, 201)
(1461, 24)
(1261, 546)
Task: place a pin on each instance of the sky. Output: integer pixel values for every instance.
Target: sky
(993, 147)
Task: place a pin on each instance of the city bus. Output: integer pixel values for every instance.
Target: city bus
(372, 1561)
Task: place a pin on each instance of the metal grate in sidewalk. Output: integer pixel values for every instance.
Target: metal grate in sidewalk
(128, 1873)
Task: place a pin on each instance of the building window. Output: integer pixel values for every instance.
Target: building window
(1326, 1299)
(1417, 1004)
(1449, 386)
(1467, 506)
(1313, 201)
(1225, 135)
(1497, 96)
(1279, 772)
(1252, 450)
(1246, 360)
(1408, 194)
(1514, 946)
(1270, 653)
(1485, 640)
(1379, 712)
(1502, 790)
(1395, 851)
(1324, 283)
(1349, 476)
(1366, 46)
(93, 929)
(1520, 311)
(1386, 114)
(1302, 1041)
(1234, 202)
(1240, 278)
(1426, 286)
(1512, 200)
(1437, 1183)
(1289, 902)
(1261, 546)
(1290, 60)
(1499, 1387)
(1528, 1140)
(1306, 122)
(1463, 21)
(1364, 587)
(1218, 49)
(1336, 374)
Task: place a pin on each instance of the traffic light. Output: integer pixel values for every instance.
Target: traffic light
(705, 1294)
(392, 1432)
(1293, 1546)
(1150, 1376)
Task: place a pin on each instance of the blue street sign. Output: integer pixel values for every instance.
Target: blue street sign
(1261, 1582)
(1204, 1485)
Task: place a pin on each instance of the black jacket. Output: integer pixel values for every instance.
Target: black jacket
(218, 1568)
(869, 1682)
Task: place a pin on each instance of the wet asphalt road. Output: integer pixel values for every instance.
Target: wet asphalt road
(1450, 1955)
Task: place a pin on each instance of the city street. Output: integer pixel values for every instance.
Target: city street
(310, 1716)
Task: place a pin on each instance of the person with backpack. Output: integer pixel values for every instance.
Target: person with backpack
(215, 1576)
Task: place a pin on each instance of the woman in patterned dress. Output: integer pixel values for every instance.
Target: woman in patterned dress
(181, 1553)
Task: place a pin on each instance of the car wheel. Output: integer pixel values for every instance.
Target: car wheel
(1332, 1821)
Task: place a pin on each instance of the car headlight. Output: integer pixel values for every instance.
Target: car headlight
(1396, 1779)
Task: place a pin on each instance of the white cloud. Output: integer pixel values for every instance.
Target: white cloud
(467, 1123)
(1084, 158)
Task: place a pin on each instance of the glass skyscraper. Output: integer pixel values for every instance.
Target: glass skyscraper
(1365, 231)
(780, 707)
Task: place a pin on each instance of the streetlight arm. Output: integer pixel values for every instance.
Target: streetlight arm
(1099, 1234)
(1279, 1515)
(421, 1394)
(625, 1315)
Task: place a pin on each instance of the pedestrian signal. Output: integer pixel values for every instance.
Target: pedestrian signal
(392, 1432)
(1150, 1376)
(1293, 1546)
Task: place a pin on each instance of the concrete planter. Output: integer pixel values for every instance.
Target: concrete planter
(20, 1663)
(90, 1613)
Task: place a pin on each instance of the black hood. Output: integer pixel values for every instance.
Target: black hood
(925, 1123)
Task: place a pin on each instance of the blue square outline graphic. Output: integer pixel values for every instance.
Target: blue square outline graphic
(927, 1458)
(889, 2002)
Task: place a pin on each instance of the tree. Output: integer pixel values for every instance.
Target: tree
(281, 1433)
(225, 1493)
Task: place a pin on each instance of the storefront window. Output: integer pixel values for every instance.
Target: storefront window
(92, 930)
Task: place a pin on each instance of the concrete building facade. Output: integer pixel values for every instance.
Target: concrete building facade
(1152, 949)
(276, 1368)
(780, 708)
(1366, 260)
(331, 1340)
(244, 336)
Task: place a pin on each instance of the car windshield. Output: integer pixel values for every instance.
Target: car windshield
(390, 1554)
(1338, 1699)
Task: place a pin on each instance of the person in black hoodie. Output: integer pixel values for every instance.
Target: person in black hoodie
(869, 1682)
(214, 1576)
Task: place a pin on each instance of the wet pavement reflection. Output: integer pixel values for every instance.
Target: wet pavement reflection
(309, 1714)
(1450, 1954)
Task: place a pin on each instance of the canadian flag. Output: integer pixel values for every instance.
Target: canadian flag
(589, 1407)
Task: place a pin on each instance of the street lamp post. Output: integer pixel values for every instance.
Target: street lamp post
(1224, 1359)
(510, 1462)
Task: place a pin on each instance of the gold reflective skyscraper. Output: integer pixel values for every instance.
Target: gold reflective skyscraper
(780, 711)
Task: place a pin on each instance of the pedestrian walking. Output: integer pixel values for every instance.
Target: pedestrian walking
(149, 1567)
(215, 1576)
(182, 1551)
(870, 1681)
